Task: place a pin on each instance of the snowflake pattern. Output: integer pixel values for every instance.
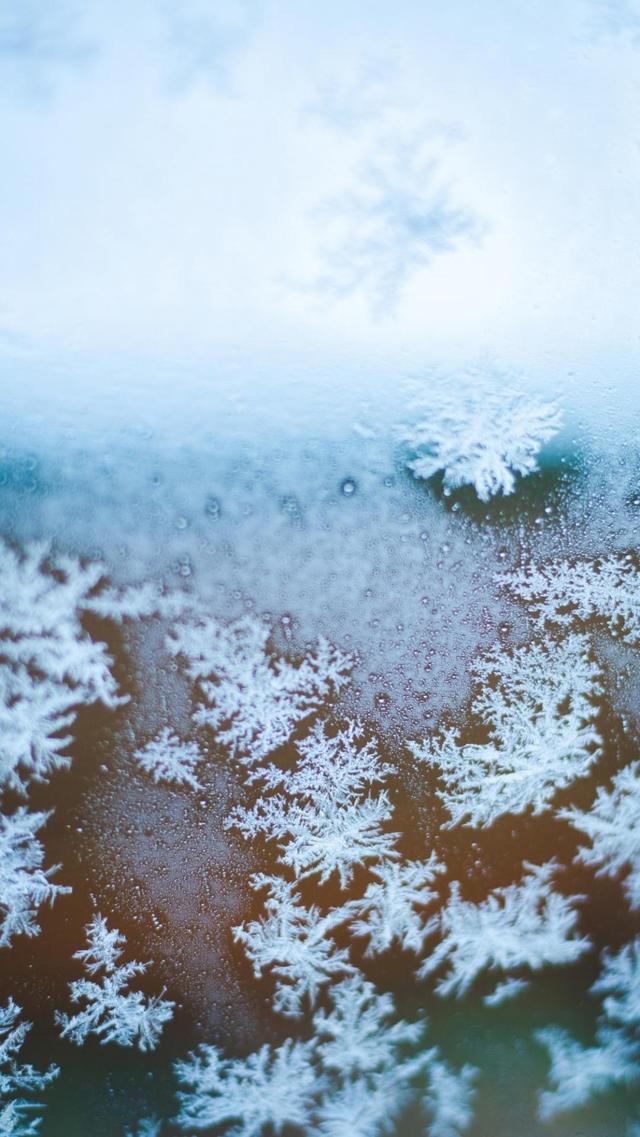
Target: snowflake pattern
(112, 1013)
(478, 433)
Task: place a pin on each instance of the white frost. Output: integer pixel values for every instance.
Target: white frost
(321, 818)
(295, 943)
(561, 592)
(578, 1072)
(393, 905)
(112, 1013)
(24, 884)
(612, 827)
(477, 435)
(16, 1078)
(537, 704)
(272, 1088)
(168, 759)
(252, 702)
(522, 925)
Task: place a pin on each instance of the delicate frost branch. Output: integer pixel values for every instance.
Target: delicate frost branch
(48, 664)
(295, 943)
(613, 829)
(113, 1013)
(392, 907)
(16, 1077)
(522, 925)
(322, 821)
(167, 759)
(449, 1100)
(252, 703)
(505, 991)
(478, 436)
(578, 1072)
(272, 1088)
(563, 592)
(620, 981)
(538, 706)
(359, 1036)
(24, 884)
(351, 1080)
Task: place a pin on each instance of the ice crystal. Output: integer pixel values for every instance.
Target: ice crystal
(362, 1106)
(522, 925)
(42, 599)
(578, 1072)
(505, 991)
(392, 907)
(478, 436)
(394, 220)
(252, 702)
(113, 1013)
(537, 704)
(24, 884)
(358, 1035)
(271, 1089)
(620, 981)
(563, 592)
(368, 1057)
(48, 664)
(449, 1100)
(612, 827)
(295, 943)
(350, 1080)
(138, 602)
(16, 1113)
(338, 767)
(167, 759)
(321, 819)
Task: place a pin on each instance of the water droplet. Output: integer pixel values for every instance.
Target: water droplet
(348, 487)
(212, 507)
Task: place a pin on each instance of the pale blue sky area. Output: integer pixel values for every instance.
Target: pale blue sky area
(364, 185)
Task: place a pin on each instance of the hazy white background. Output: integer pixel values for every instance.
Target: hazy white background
(247, 193)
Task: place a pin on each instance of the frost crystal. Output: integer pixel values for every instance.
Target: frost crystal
(620, 981)
(612, 827)
(271, 1088)
(351, 1080)
(356, 1036)
(505, 991)
(364, 1051)
(113, 1013)
(48, 664)
(295, 942)
(167, 759)
(392, 908)
(17, 1078)
(537, 704)
(478, 436)
(321, 819)
(449, 1100)
(138, 601)
(522, 925)
(607, 589)
(362, 1106)
(24, 884)
(251, 702)
(578, 1072)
